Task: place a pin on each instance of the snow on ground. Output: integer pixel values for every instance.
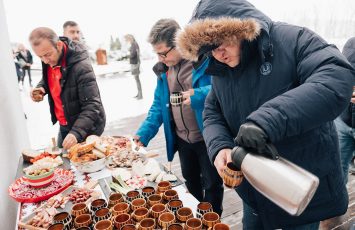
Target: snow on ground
(117, 92)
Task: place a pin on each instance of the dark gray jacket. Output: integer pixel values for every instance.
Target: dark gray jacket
(348, 116)
(134, 53)
(293, 84)
(80, 94)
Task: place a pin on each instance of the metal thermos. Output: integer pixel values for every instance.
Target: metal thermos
(284, 183)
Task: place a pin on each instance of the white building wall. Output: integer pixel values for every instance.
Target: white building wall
(13, 131)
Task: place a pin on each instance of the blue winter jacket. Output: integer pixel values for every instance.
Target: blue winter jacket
(160, 111)
(293, 84)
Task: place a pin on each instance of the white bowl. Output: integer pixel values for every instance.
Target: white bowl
(90, 166)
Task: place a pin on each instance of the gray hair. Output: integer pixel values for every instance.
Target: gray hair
(164, 30)
(40, 33)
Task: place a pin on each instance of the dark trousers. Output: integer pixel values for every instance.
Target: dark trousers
(29, 75)
(202, 179)
(63, 132)
(18, 72)
(251, 221)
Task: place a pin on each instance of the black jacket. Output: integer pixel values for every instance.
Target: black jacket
(80, 94)
(28, 59)
(348, 116)
(293, 84)
(134, 53)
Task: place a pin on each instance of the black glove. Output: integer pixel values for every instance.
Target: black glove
(253, 138)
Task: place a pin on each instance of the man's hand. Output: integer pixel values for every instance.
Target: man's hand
(186, 96)
(37, 94)
(353, 96)
(137, 141)
(221, 160)
(69, 141)
(252, 137)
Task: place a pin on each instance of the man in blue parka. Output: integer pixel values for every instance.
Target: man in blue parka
(272, 83)
(182, 121)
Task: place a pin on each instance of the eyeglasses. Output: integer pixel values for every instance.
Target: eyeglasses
(165, 54)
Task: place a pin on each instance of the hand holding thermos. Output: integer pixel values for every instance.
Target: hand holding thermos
(253, 138)
(283, 182)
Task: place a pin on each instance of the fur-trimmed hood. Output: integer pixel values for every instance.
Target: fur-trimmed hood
(204, 35)
(243, 10)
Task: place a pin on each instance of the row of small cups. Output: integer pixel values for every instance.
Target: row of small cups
(99, 210)
(146, 224)
(164, 214)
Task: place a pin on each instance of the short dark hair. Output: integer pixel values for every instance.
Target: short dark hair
(164, 30)
(69, 23)
(40, 33)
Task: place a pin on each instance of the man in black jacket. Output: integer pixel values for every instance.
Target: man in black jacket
(272, 83)
(25, 59)
(135, 62)
(70, 83)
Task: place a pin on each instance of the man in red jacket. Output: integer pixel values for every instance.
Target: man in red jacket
(70, 82)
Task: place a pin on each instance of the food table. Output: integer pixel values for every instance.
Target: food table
(97, 181)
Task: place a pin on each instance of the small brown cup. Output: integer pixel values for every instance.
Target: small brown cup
(165, 219)
(120, 208)
(154, 199)
(158, 209)
(147, 224)
(175, 227)
(170, 195)
(37, 95)
(104, 225)
(102, 214)
(209, 219)
(128, 227)
(174, 205)
(97, 204)
(184, 213)
(193, 224)
(131, 195)
(62, 217)
(147, 191)
(140, 214)
(203, 208)
(114, 199)
(163, 186)
(220, 226)
(232, 177)
(57, 226)
(83, 228)
(121, 220)
(83, 220)
(78, 209)
(138, 203)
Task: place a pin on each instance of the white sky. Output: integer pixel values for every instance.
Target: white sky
(100, 19)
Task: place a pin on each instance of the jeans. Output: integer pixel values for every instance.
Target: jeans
(202, 179)
(346, 137)
(63, 132)
(251, 221)
(24, 74)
